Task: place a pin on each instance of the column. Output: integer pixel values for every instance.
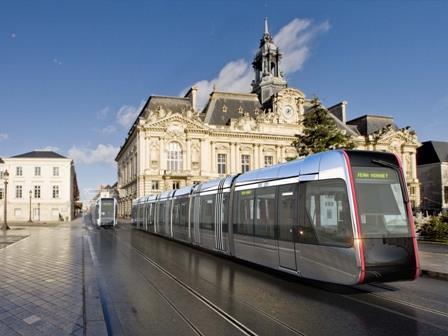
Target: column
(256, 156)
(162, 161)
(414, 166)
(279, 155)
(232, 159)
(213, 170)
(237, 158)
(188, 158)
(203, 157)
(260, 156)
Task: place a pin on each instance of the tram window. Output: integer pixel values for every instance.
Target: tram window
(287, 211)
(176, 212)
(244, 205)
(265, 204)
(151, 214)
(183, 211)
(381, 203)
(162, 207)
(327, 214)
(207, 219)
(225, 211)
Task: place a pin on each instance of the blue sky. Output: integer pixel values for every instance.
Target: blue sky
(73, 73)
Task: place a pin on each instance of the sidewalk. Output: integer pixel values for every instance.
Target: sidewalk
(48, 284)
(434, 259)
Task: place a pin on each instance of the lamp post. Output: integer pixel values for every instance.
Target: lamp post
(38, 211)
(5, 220)
(29, 220)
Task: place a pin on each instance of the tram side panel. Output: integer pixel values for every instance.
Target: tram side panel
(180, 218)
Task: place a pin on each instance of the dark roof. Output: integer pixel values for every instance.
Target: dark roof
(432, 152)
(40, 155)
(169, 104)
(223, 106)
(368, 124)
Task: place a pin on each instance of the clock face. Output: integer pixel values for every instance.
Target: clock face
(288, 111)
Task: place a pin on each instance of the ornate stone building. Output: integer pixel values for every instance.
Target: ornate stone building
(172, 144)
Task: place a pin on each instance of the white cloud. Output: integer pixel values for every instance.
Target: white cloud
(4, 136)
(235, 76)
(127, 114)
(102, 114)
(48, 148)
(294, 41)
(100, 154)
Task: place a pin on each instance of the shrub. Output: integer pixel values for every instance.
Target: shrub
(435, 228)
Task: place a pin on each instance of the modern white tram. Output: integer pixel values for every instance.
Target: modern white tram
(104, 211)
(339, 216)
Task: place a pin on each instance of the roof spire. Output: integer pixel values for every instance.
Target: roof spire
(266, 30)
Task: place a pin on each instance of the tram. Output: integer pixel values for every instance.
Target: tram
(104, 211)
(341, 216)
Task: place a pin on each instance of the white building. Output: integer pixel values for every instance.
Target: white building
(41, 185)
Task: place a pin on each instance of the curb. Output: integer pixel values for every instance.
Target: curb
(435, 275)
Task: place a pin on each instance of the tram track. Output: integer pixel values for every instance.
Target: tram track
(244, 329)
(402, 307)
(433, 317)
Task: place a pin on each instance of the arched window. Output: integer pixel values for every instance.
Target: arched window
(174, 157)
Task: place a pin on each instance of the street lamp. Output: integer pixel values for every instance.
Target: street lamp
(5, 220)
(38, 211)
(29, 220)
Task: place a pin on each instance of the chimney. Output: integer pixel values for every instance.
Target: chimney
(192, 95)
(339, 111)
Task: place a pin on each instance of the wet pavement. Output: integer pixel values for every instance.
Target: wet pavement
(76, 279)
(148, 301)
(12, 236)
(46, 284)
(434, 259)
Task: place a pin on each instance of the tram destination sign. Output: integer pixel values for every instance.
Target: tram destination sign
(373, 175)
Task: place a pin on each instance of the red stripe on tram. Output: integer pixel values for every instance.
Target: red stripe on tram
(362, 274)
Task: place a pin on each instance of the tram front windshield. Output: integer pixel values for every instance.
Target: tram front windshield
(107, 208)
(381, 204)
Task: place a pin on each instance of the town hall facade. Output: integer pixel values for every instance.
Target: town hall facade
(172, 144)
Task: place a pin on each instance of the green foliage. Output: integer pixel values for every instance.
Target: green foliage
(436, 228)
(320, 133)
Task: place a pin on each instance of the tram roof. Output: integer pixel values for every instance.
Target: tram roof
(167, 194)
(183, 191)
(304, 166)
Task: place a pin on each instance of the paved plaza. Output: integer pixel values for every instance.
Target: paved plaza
(48, 285)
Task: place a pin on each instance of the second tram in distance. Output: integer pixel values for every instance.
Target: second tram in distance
(339, 216)
(104, 212)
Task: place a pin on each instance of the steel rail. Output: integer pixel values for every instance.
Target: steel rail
(227, 317)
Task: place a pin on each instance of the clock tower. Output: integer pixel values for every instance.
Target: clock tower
(268, 77)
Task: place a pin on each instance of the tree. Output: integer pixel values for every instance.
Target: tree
(320, 132)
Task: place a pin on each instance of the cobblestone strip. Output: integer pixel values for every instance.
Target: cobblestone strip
(41, 283)
(94, 316)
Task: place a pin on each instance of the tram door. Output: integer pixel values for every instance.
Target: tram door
(286, 218)
(195, 217)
